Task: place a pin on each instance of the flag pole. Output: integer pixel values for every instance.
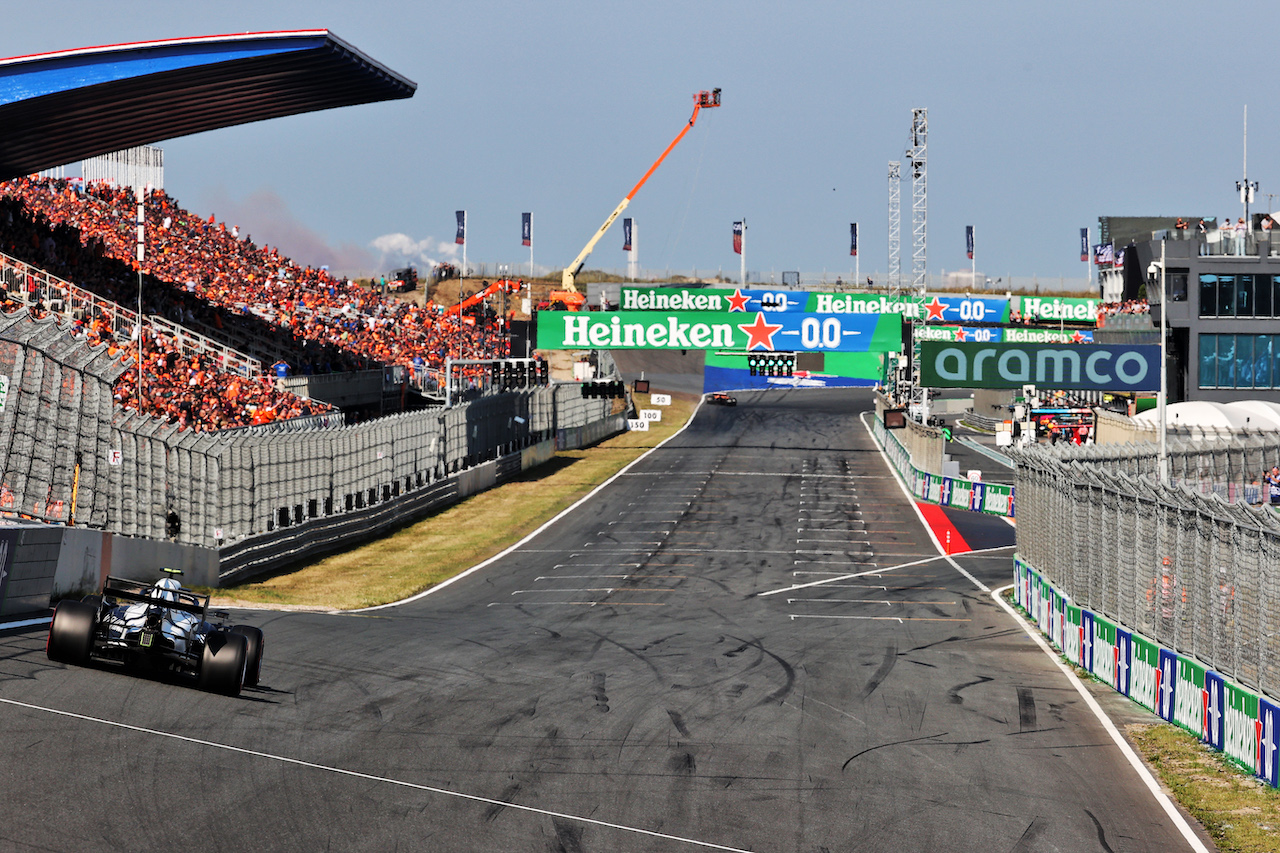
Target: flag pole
(742, 258)
(973, 263)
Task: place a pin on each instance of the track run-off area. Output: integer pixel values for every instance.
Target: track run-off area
(747, 640)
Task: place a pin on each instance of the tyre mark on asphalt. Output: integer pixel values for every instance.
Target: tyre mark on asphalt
(1102, 835)
(787, 669)
(886, 666)
(1026, 710)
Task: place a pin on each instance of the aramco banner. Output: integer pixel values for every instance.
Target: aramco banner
(719, 331)
(1099, 367)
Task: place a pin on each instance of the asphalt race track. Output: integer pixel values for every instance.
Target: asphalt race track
(746, 642)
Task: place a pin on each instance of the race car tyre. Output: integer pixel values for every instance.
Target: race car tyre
(223, 662)
(253, 668)
(71, 632)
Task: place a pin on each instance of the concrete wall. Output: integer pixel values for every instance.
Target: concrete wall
(27, 566)
(47, 563)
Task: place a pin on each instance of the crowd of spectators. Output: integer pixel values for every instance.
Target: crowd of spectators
(201, 273)
(1128, 306)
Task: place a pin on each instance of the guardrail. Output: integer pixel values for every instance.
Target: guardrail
(1242, 724)
(956, 492)
(27, 285)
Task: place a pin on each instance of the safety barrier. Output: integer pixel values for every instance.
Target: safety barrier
(1188, 570)
(73, 457)
(975, 495)
(28, 285)
(1180, 688)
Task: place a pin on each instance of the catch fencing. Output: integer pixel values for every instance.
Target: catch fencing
(1185, 569)
(69, 456)
(1232, 467)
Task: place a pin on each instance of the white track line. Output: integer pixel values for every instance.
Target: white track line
(588, 496)
(1127, 751)
(369, 776)
(26, 623)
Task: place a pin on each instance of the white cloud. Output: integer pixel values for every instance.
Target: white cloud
(400, 249)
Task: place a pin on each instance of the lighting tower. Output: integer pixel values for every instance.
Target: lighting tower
(895, 225)
(917, 156)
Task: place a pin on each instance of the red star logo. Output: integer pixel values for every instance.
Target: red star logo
(760, 332)
(1077, 338)
(935, 309)
(738, 302)
(961, 335)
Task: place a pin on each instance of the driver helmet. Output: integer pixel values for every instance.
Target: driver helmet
(167, 589)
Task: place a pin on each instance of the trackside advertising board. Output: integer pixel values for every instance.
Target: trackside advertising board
(729, 372)
(991, 498)
(771, 300)
(1008, 334)
(1240, 723)
(1097, 367)
(701, 330)
(934, 308)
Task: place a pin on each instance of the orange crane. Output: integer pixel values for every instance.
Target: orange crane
(700, 100)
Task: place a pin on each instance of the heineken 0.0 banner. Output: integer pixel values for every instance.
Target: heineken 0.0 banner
(780, 301)
(746, 332)
(1005, 334)
(1099, 367)
(1057, 308)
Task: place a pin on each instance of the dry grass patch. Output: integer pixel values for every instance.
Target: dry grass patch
(1241, 813)
(439, 547)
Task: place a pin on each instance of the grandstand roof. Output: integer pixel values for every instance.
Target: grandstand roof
(60, 107)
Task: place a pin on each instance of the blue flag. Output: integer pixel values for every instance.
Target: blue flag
(462, 227)
(968, 240)
(526, 229)
(626, 235)
(853, 239)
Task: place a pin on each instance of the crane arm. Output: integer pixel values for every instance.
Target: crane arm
(699, 101)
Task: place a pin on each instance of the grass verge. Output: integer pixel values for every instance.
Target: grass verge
(441, 546)
(1241, 813)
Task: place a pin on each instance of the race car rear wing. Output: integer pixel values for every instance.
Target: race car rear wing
(142, 592)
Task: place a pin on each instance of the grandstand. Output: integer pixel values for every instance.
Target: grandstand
(210, 296)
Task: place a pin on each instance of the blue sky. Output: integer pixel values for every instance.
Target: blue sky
(1042, 117)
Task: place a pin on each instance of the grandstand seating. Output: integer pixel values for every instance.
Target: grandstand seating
(208, 284)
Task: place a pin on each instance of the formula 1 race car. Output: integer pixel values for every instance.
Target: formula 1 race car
(163, 625)
(720, 398)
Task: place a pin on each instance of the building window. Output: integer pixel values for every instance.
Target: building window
(1208, 361)
(1239, 361)
(1244, 296)
(1264, 361)
(1208, 295)
(1239, 295)
(1263, 295)
(1226, 296)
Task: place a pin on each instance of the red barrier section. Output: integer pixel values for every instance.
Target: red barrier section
(942, 527)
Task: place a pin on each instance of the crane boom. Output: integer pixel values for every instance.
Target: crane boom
(700, 100)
